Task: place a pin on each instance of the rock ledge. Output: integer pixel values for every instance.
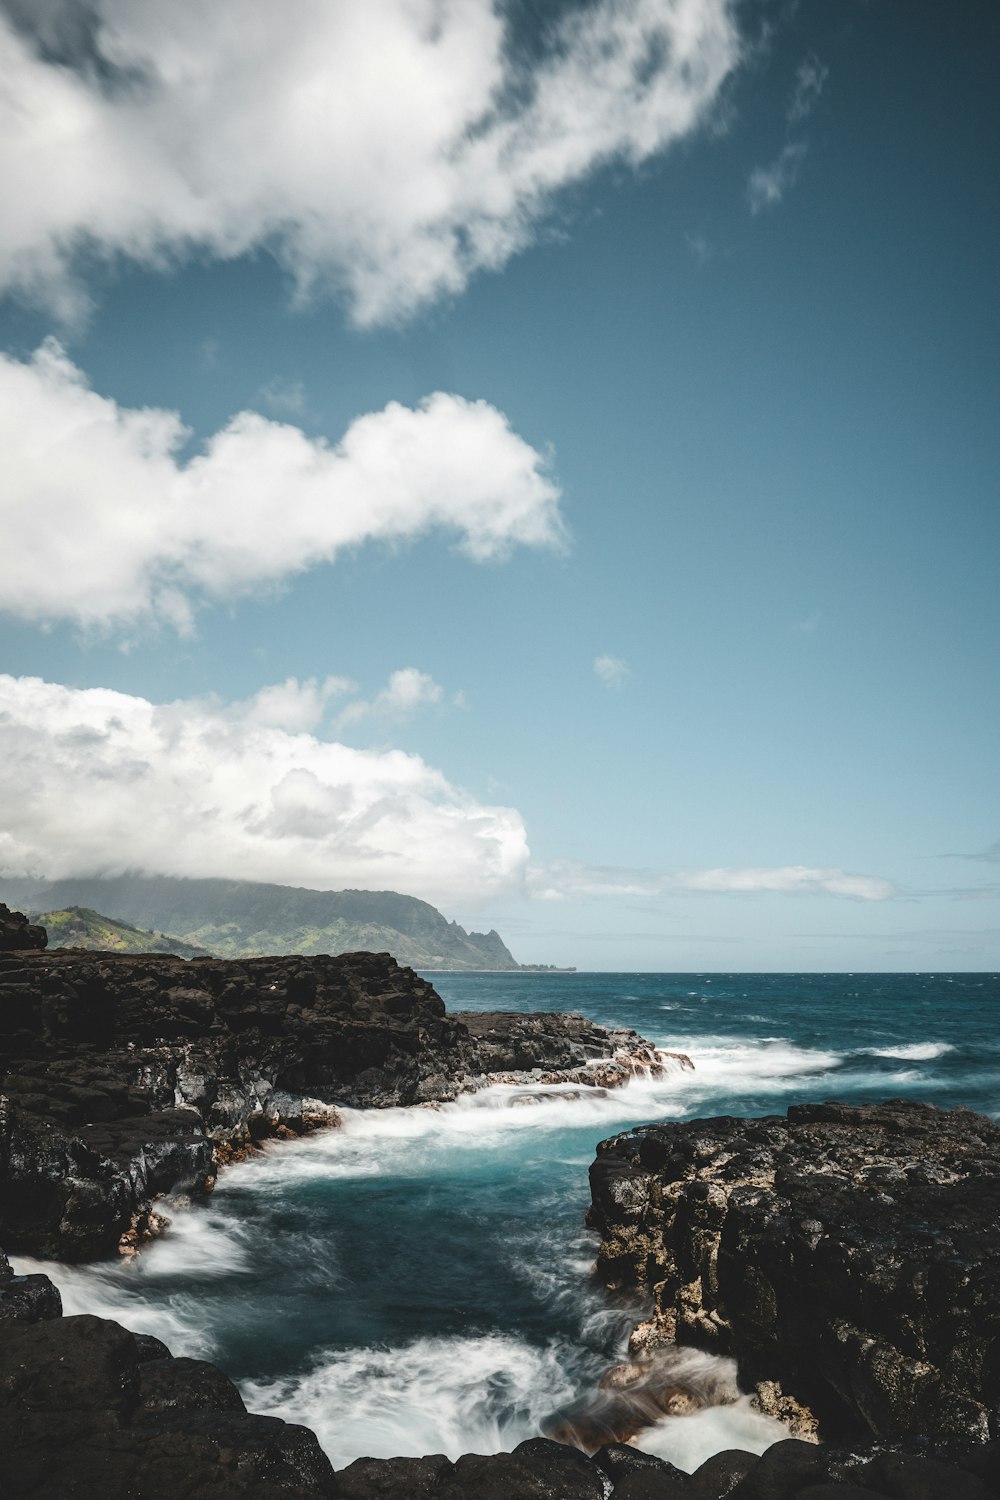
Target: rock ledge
(848, 1256)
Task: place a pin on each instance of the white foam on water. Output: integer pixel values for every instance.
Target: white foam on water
(413, 1141)
(911, 1051)
(737, 1065)
(103, 1290)
(688, 1441)
(480, 1394)
(725, 1420)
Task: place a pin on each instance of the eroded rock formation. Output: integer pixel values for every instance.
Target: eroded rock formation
(848, 1256)
(89, 1411)
(123, 1076)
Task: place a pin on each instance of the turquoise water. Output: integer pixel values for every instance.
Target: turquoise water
(418, 1281)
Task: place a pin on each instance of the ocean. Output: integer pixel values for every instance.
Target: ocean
(419, 1281)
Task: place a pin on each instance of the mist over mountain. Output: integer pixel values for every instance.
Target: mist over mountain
(240, 918)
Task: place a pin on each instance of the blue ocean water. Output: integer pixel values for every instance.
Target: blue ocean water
(419, 1280)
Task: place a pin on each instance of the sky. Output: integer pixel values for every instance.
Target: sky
(541, 459)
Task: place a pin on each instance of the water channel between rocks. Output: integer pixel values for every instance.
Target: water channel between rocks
(419, 1280)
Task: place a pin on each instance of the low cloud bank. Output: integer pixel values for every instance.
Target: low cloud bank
(567, 880)
(95, 782)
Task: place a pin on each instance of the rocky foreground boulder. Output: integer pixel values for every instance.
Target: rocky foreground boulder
(847, 1255)
(90, 1411)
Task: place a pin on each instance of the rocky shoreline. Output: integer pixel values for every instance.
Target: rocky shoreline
(124, 1076)
(847, 1258)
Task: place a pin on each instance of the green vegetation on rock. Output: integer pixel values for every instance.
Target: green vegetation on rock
(79, 927)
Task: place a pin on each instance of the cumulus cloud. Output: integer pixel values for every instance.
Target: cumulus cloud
(611, 670)
(389, 150)
(567, 879)
(124, 527)
(405, 692)
(96, 782)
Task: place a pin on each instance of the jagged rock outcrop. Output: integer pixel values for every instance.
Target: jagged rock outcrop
(17, 933)
(90, 1411)
(123, 1076)
(558, 1047)
(848, 1256)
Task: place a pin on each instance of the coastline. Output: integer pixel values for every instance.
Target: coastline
(444, 1056)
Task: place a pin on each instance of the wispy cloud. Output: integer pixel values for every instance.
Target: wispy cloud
(286, 397)
(292, 705)
(768, 185)
(700, 248)
(124, 530)
(612, 670)
(810, 80)
(386, 152)
(567, 879)
(95, 782)
(406, 691)
(790, 880)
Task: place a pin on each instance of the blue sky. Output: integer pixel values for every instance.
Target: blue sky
(665, 635)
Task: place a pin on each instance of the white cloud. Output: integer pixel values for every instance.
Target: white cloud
(611, 670)
(790, 880)
(567, 879)
(118, 526)
(768, 185)
(286, 397)
(293, 705)
(95, 782)
(810, 78)
(389, 149)
(406, 691)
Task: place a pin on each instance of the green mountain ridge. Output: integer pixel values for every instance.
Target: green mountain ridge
(80, 927)
(242, 918)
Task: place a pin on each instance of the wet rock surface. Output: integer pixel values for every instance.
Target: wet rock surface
(848, 1256)
(89, 1410)
(124, 1076)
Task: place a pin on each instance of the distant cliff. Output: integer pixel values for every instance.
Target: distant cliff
(241, 919)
